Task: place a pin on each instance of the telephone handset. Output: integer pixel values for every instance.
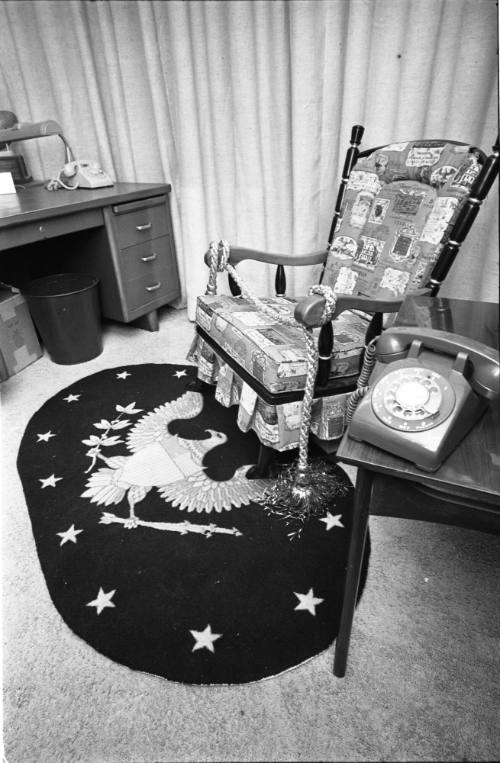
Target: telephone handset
(80, 174)
(427, 390)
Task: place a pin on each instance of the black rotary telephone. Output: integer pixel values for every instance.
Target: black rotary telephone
(427, 390)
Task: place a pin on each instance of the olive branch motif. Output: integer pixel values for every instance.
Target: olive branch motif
(96, 443)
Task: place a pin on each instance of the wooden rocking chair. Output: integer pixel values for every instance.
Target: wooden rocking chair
(402, 212)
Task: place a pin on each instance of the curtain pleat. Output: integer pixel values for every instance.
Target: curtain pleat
(246, 108)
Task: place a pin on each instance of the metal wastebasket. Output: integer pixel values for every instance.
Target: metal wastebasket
(65, 309)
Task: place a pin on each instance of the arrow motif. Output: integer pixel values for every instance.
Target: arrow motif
(176, 527)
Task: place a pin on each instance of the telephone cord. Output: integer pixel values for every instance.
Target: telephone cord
(362, 387)
(54, 184)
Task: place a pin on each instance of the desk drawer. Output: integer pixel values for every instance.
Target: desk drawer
(141, 225)
(158, 283)
(18, 235)
(141, 259)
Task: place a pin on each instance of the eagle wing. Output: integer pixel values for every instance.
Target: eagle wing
(154, 425)
(201, 494)
(101, 485)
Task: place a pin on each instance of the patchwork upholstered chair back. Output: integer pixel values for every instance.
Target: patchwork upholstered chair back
(401, 201)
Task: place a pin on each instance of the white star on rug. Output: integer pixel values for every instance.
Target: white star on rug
(103, 600)
(50, 481)
(123, 375)
(69, 535)
(71, 398)
(180, 373)
(332, 521)
(45, 437)
(308, 601)
(204, 639)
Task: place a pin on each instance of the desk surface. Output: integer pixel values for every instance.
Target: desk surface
(473, 469)
(36, 203)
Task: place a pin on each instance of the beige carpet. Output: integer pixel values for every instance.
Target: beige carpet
(422, 678)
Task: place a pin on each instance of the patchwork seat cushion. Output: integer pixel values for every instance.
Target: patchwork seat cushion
(272, 353)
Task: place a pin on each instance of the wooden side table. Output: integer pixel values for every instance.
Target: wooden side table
(465, 491)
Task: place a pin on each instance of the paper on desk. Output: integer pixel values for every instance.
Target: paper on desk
(7, 183)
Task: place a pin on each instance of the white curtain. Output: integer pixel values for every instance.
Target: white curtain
(245, 107)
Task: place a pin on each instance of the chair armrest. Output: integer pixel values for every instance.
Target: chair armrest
(238, 254)
(309, 310)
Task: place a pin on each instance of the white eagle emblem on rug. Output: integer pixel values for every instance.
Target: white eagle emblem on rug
(172, 464)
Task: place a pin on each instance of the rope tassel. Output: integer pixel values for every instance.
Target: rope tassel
(303, 489)
(298, 495)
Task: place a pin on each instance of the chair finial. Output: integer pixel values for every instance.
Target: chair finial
(357, 134)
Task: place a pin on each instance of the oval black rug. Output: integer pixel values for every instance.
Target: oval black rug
(153, 544)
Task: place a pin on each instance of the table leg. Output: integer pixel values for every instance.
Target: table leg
(260, 470)
(361, 510)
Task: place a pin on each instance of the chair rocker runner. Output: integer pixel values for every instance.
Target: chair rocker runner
(402, 212)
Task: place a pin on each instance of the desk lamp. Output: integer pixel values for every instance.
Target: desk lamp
(28, 130)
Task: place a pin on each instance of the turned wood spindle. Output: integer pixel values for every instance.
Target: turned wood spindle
(326, 337)
(325, 351)
(233, 286)
(465, 218)
(280, 281)
(350, 160)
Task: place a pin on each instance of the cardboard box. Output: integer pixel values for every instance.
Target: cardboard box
(19, 345)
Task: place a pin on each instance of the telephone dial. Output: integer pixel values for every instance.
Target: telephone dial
(427, 390)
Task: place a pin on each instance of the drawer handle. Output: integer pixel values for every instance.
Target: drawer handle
(150, 258)
(146, 226)
(154, 287)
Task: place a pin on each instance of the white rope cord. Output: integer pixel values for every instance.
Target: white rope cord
(219, 261)
(216, 266)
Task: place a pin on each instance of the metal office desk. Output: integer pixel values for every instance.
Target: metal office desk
(122, 234)
(464, 491)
